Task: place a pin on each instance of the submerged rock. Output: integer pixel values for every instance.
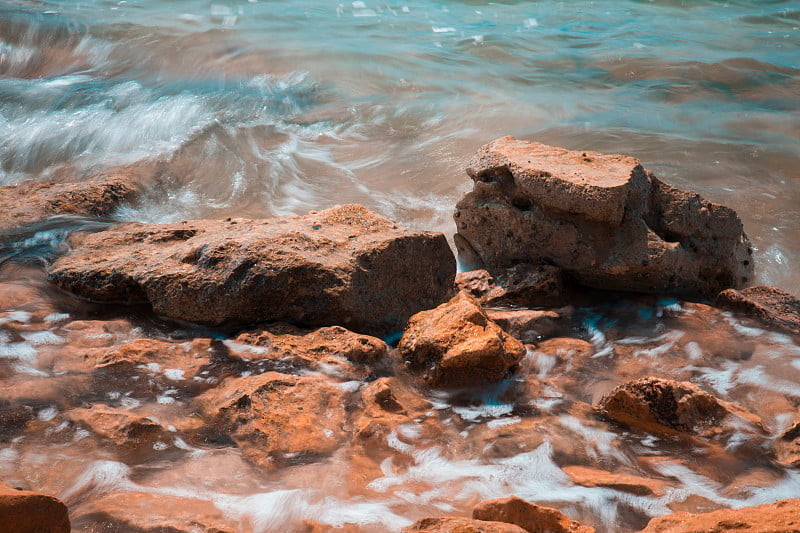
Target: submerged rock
(460, 525)
(605, 220)
(456, 345)
(529, 325)
(32, 202)
(519, 286)
(780, 517)
(25, 511)
(772, 306)
(121, 426)
(277, 419)
(787, 446)
(532, 518)
(342, 266)
(667, 406)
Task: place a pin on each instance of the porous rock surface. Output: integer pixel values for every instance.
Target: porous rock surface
(456, 345)
(342, 266)
(31, 512)
(31, 202)
(604, 219)
(772, 306)
(522, 285)
(779, 517)
(530, 517)
(460, 525)
(668, 406)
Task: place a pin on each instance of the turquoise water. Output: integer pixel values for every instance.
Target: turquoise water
(260, 108)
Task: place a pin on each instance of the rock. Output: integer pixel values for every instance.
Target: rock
(460, 525)
(277, 419)
(527, 325)
(330, 350)
(32, 202)
(666, 406)
(522, 285)
(532, 518)
(140, 512)
(121, 426)
(605, 220)
(772, 306)
(630, 483)
(456, 345)
(780, 517)
(342, 266)
(23, 511)
(787, 446)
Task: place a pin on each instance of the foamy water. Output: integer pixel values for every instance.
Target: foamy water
(255, 108)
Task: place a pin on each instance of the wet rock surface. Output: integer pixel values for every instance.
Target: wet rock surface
(456, 345)
(530, 517)
(604, 219)
(780, 517)
(771, 306)
(25, 511)
(522, 285)
(342, 266)
(32, 202)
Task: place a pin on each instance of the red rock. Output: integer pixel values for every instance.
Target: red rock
(666, 406)
(121, 426)
(23, 511)
(278, 419)
(460, 525)
(787, 446)
(456, 345)
(138, 512)
(530, 517)
(780, 517)
(519, 286)
(605, 220)
(342, 266)
(32, 202)
(771, 306)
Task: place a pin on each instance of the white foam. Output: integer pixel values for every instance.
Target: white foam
(47, 414)
(174, 374)
(42, 338)
(21, 351)
(503, 422)
(99, 478)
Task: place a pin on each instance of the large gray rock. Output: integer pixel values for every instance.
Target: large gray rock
(342, 266)
(604, 219)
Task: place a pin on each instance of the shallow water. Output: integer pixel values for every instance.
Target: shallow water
(259, 108)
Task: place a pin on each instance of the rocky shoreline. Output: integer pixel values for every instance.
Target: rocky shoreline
(342, 336)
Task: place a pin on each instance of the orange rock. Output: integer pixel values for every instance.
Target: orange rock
(532, 518)
(772, 306)
(522, 285)
(278, 419)
(527, 325)
(121, 426)
(780, 517)
(787, 446)
(137, 512)
(593, 477)
(460, 525)
(456, 345)
(23, 511)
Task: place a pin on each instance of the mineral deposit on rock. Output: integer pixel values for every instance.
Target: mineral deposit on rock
(342, 266)
(604, 219)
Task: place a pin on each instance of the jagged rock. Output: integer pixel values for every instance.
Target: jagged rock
(532, 518)
(141, 512)
(278, 419)
(787, 446)
(780, 517)
(456, 345)
(23, 511)
(528, 325)
(666, 406)
(342, 266)
(460, 525)
(519, 286)
(772, 306)
(333, 350)
(32, 202)
(605, 220)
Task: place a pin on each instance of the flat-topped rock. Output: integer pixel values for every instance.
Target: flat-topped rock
(779, 517)
(342, 266)
(604, 219)
(590, 183)
(31, 201)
